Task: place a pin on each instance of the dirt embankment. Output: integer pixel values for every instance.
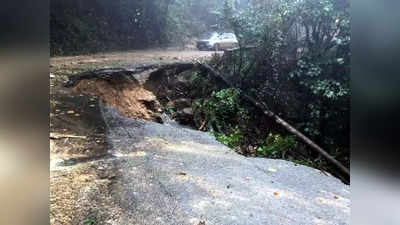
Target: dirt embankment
(75, 112)
(130, 99)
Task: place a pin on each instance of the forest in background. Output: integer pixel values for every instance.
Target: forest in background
(294, 57)
(78, 27)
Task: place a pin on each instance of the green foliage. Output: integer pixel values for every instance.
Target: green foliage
(302, 63)
(187, 19)
(308, 163)
(170, 109)
(225, 102)
(277, 146)
(232, 140)
(300, 69)
(225, 114)
(224, 109)
(245, 22)
(204, 85)
(78, 27)
(90, 221)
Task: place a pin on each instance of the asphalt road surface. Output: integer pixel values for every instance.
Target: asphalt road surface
(172, 175)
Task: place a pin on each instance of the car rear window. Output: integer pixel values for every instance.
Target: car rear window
(229, 35)
(208, 36)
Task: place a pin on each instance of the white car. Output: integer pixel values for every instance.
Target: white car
(217, 41)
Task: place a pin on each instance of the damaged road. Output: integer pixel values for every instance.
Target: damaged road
(173, 175)
(151, 173)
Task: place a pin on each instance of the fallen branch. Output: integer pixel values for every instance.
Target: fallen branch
(279, 120)
(59, 136)
(203, 125)
(180, 67)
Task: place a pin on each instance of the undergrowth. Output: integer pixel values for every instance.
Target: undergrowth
(233, 123)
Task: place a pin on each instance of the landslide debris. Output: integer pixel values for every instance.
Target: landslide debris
(129, 98)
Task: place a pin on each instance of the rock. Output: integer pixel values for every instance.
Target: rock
(188, 111)
(158, 118)
(182, 103)
(185, 116)
(182, 81)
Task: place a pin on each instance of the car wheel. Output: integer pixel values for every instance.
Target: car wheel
(217, 47)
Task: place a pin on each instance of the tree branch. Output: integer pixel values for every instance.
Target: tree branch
(280, 121)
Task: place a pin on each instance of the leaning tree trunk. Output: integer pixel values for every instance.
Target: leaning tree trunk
(280, 121)
(180, 67)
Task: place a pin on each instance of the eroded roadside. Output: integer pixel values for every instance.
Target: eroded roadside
(82, 171)
(107, 167)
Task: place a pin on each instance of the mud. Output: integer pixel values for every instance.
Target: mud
(130, 99)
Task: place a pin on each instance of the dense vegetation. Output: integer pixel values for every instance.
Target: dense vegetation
(297, 62)
(99, 25)
(294, 57)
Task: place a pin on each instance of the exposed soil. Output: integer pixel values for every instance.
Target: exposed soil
(76, 112)
(130, 99)
(81, 170)
(89, 185)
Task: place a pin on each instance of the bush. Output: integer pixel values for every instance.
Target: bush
(232, 140)
(223, 110)
(300, 67)
(277, 146)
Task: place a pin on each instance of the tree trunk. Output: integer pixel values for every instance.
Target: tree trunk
(282, 122)
(180, 67)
